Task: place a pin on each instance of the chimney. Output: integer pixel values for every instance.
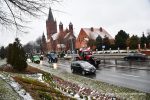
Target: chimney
(92, 29)
(100, 29)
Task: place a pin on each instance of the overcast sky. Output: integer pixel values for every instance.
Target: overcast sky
(132, 16)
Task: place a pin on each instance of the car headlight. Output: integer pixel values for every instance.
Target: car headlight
(87, 69)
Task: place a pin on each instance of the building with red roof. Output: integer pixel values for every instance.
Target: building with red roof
(59, 40)
(87, 34)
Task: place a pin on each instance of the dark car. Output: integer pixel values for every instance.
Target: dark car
(82, 67)
(52, 57)
(136, 56)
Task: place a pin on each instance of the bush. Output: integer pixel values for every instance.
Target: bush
(16, 56)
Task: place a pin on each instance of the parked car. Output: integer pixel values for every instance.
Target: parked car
(35, 59)
(82, 67)
(67, 57)
(136, 56)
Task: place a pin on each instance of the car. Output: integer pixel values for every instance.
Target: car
(67, 57)
(82, 67)
(35, 59)
(52, 57)
(136, 56)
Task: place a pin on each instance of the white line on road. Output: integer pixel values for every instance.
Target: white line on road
(130, 75)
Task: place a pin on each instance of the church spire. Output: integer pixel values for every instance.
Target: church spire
(43, 36)
(50, 15)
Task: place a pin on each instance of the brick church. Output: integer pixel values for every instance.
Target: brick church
(58, 39)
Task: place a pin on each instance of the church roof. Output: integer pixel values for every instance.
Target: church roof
(94, 32)
(50, 15)
(55, 36)
(68, 35)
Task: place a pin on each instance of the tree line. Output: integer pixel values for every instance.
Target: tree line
(122, 41)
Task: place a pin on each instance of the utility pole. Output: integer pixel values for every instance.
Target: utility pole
(72, 46)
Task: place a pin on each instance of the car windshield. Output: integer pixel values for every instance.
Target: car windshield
(86, 64)
(35, 56)
(87, 53)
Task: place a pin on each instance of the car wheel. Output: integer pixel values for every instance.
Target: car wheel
(125, 59)
(72, 70)
(37, 62)
(94, 72)
(76, 59)
(83, 72)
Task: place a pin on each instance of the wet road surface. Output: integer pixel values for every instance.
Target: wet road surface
(118, 75)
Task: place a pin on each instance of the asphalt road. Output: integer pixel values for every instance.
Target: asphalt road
(120, 76)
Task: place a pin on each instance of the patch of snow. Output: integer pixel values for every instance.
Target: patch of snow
(25, 95)
(77, 95)
(29, 60)
(67, 35)
(55, 36)
(40, 77)
(93, 34)
(16, 87)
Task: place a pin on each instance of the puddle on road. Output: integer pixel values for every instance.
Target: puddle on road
(55, 66)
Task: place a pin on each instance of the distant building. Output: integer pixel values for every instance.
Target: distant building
(61, 40)
(43, 45)
(86, 34)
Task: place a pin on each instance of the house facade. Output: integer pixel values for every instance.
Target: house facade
(87, 34)
(59, 39)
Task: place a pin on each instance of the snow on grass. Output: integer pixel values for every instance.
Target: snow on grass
(22, 93)
(99, 87)
(95, 85)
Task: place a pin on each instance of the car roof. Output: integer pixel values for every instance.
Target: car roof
(36, 56)
(139, 54)
(80, 62)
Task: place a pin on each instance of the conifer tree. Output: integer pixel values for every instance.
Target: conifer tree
(9, 52)
(16, 56)
(2, 52)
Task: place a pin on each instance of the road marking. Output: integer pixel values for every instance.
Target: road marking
(130, 75)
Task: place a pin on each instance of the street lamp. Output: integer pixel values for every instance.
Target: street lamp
(70, 38)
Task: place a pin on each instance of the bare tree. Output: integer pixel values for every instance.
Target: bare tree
(13, 13)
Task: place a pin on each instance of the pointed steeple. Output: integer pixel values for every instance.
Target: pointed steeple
(43, 36)
(71, 27)
(50, 15)
(60, 27)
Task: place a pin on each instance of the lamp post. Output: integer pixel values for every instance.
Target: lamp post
(70, 38)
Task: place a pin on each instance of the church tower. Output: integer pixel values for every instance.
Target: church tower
(60, 27)
(43, 44)
(71, 27)
(51, 25)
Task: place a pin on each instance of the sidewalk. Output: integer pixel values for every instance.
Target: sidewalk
(6, 91)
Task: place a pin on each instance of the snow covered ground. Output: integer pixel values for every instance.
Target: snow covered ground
(18, 92)
(2, 62)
